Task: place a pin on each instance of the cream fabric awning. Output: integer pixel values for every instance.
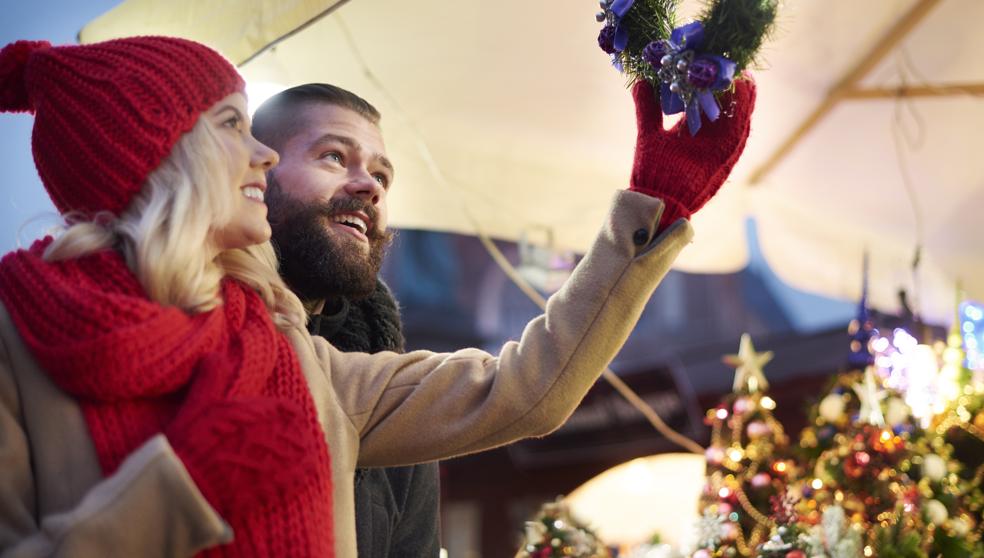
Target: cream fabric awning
(532, 128)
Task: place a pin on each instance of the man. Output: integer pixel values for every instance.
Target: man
(327, 208)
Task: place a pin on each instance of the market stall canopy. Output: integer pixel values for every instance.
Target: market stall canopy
(504, 117)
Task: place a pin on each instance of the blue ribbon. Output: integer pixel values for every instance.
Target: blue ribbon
(619, 9)
(690, 37)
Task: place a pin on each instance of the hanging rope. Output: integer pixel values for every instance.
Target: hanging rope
(914, 141)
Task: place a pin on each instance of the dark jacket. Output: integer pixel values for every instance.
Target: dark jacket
(396, 508)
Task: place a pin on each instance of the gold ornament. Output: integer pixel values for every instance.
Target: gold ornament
(748, 365)
(870, 397)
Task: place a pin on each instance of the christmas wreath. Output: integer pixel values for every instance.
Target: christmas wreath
(688, 64)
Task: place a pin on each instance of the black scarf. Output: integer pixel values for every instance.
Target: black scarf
(369, 325)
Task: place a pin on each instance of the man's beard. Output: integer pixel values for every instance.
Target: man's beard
(315, 263)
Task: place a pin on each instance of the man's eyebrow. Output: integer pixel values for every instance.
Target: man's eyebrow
(385, 162)
(333, 138)
(348, 142)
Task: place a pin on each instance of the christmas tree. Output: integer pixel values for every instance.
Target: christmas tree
(749, 462)
(555, 533)
(886, 480)
(890, 466)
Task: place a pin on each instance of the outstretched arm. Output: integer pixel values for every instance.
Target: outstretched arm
(423, 406)
(471, 401)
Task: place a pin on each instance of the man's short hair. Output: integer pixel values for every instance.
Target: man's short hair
(279, 117)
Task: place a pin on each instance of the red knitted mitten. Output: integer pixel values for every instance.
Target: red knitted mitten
(241, 452)
(686, 171)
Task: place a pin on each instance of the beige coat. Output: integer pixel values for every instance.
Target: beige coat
(377, 410)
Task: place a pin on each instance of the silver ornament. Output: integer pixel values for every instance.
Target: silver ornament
(682, 65)
(666, 60)
(600, 16)
(675, 87)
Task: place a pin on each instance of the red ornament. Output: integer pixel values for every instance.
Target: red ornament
(795, 554)
(855, 465)
(884, 441)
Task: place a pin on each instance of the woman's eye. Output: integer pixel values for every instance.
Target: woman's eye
(234, 122)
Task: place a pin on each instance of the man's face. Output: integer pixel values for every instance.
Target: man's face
(327, 201)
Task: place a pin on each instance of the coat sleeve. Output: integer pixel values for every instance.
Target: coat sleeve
(149, 507)
(423, 406)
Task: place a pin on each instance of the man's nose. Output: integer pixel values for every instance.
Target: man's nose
(364, 186)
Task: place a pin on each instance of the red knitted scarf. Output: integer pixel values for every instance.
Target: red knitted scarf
(127, 360)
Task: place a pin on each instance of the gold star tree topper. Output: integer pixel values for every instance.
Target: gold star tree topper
(870, 398)
(748, 365)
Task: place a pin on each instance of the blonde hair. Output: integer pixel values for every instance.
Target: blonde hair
(164, 233)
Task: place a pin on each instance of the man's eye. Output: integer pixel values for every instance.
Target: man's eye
(381, 179)
(332, 156)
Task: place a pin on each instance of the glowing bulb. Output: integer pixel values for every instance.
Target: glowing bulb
(974, 313)
(722, 414)
(880, 345)
(886, 436)
(903, 341)
(735, 454)
(868, 551)
(768, 403)
(724, 492)
(963, 414)
(780, 467)
(921, 372)
(817, 484)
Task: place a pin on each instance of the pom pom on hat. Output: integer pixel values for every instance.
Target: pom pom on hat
(13, 86)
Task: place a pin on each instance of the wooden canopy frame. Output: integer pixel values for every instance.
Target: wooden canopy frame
(847, 89)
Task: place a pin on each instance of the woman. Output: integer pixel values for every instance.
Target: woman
(160, 396)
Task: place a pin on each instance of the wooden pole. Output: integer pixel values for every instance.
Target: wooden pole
(915, 91)
(847, 83)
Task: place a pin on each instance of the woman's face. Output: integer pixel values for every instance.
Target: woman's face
(248, 161)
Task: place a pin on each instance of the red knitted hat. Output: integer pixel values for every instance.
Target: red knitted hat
(107, 114)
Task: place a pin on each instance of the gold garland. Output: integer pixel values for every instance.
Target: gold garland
(950, 422)
(747, 548)
(759, 518)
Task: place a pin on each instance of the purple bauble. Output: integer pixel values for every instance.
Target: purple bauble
(758, 429)
(654, 52)
(714, 455)
(606, 39)
(761, 480)
(702, 73)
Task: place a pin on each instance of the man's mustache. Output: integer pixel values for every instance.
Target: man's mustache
(335, 207)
